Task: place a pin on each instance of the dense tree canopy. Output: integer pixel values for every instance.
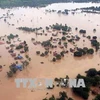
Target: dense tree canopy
(33, 3)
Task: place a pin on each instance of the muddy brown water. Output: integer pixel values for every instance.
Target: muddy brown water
(67, 66)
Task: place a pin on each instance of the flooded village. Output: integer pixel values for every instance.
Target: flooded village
(59, 41)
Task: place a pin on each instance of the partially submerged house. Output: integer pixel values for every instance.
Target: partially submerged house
(20, 67)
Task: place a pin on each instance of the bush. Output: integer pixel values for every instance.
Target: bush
(10, 74)
(90, 51)
(27, 56)
(94, 42)
(94, 30)
(76, 28)
(91, 72)
(29, 59)
(83, 51)
(97, 97)
(58, 56)
(19, 47)
(63, 38)
(62, 54)
(46, 52)
(42, 55)
(37, 52)
(57, 79)
(54, 59)
(13, 69)
(98, 72)
(83, 92)
(89, 37)
(77, 54)
(59, 43)
(26, 49)
(82, 31)
(70, 40)
(11, 36)
(64, 33)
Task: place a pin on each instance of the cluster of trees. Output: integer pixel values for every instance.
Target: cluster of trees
(19, 47)
(62, 96)
(80, 52)
(95, 43)
(89, 11)
(13, 69)
(94, 1)
(31, 3)
(34, 3)
(61, 27)
(82, 31)
(82, 92)
(92, 78)
(92, 8)
(11, 36)
(43, 54)
(97, 97)
(63, 38)
(46, 43)
(63, 12)
(27, 29)
(58, 56)
(25, 46)
(27, 56)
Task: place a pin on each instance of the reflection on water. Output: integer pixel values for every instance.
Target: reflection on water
(33, 17)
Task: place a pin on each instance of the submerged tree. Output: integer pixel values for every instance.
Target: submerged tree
(94, 30)
(91, 72)
(97, 97)
(10, 74)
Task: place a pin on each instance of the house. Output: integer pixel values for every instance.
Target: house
(19, 67)
(19, 57)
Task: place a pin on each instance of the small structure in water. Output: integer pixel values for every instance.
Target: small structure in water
(19, 67)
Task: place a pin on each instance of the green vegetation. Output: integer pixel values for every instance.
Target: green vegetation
(82, 31)
(27, 29)
(62, 96)
(19, 47)
(11, 36)
(34, 3)
(61, 27)
(95, 43)
(97, 97)
(92, 78)
(58, 56)
(13, 69)
(92, 8)
(63, 38)
(80, 52)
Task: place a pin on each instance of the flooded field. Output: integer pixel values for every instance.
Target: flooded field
(69, 65)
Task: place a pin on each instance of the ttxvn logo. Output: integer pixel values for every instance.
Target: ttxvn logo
(41, 83)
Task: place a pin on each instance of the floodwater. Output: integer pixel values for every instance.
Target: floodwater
(70, 6)
(33, 17)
